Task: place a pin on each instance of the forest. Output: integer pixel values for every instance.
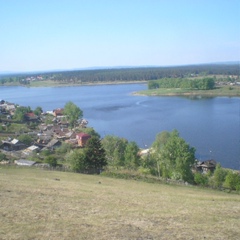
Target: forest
(200, 84)
(122, 74)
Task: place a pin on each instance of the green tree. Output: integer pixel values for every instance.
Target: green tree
(91, 159)
(157, 148)
(95, 158)
(26, 139)
(174, 156)
(76, 159)
(179, 157)
(64, 148)
(153, 85)
(232, 180)
(161, 140)
(38, 111)
(20, 112)
(114, 148)
(132, 158)
(73, 113)
(218, 177)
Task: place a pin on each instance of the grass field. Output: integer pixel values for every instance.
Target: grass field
(38, 204)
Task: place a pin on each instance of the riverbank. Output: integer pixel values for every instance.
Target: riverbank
(224, 91)
(50, 83)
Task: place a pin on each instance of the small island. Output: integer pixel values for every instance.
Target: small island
(193, 87)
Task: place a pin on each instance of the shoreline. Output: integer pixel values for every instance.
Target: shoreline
(218, 92)
(51, 84)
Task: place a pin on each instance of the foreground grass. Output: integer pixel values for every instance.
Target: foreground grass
(37, 204)
(221, 91)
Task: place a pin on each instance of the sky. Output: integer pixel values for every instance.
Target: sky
(42, 35)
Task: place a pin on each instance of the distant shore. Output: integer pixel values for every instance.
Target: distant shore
(50, 83)
(227, 91)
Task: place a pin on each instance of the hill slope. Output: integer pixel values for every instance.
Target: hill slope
(37, 204)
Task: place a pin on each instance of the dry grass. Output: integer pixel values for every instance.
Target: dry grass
(34, 205)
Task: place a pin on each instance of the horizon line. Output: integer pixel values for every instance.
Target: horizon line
(114, 67)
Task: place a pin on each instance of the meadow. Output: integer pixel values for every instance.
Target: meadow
(40, 204)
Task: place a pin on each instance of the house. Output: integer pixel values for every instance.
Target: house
(58, 112)
(31, 117)
(206, 166)
(61, 132)
(54, 143)
(23, 162)
(82, 138)
(9, 107)
(43, 139)
(14, 145)
(30, 150)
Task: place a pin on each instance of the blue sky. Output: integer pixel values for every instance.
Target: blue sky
(40, 35)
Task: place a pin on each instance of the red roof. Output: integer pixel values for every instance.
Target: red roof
(82, 135)
(30, 114)
(58, 111)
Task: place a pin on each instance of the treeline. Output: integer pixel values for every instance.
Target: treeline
(200, 84)
(124, 74)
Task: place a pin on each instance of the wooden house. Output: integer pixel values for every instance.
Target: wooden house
(206, 166)
(58, 112)
(82, 138)
(13, 145)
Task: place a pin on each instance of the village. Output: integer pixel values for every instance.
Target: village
(50, 131)
(47, 130)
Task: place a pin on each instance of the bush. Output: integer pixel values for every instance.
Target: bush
(232, 181)
(219, 176)
(201, 179)
(2, 156)
(144, 171)
(51, 160)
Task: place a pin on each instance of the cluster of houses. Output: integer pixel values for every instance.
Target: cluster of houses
(47, 136)
(7, 108)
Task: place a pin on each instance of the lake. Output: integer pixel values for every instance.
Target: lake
(211, 125)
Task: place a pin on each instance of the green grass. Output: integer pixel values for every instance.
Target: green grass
(17, 127)
(221, 91)
(34, 205)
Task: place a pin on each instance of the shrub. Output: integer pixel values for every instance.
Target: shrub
(232, 180)
(2, 156)
(51, 160)
(201, 179)
(219, 176)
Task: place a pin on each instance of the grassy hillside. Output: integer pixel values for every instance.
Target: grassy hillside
(38, 204)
